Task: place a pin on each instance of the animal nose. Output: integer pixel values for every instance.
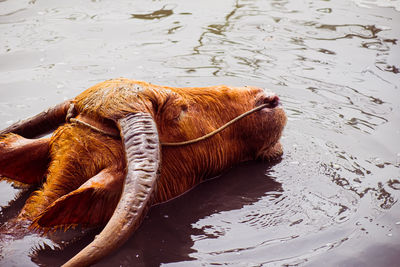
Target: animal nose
(272, 101)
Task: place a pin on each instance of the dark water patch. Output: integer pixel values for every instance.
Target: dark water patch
(392, 41)
(157, 14)
(388, 68)
(378, 45)
(325, 10)
(326, 51)
(174, 29)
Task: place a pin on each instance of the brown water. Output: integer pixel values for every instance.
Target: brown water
(332, 199)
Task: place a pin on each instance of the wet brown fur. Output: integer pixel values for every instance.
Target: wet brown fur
(78, 153)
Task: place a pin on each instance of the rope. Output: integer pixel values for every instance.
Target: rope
(223, 127)
(217, 130)
(93, 127)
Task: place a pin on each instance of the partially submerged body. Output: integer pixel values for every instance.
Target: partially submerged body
(86, 169)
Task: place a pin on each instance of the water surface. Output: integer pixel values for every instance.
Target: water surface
(332, 199)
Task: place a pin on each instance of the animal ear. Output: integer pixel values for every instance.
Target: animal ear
(23, 160)
(92, 203)
(41, 123)
(140, 140)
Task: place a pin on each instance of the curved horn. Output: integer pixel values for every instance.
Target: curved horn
(42, 123)
(140, 139)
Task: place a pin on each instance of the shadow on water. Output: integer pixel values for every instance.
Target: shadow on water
(14, 206)
(166, 234)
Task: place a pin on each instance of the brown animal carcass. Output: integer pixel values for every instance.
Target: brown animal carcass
(102, 164)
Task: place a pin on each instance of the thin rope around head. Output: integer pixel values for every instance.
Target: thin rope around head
(93, 127)
(223, 127)
(217, 130)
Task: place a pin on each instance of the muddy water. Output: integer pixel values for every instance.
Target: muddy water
(332, 199)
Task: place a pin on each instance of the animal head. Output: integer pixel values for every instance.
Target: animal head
(187, 113)
(104, 163)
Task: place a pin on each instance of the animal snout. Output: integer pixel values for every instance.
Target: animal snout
(272, 100)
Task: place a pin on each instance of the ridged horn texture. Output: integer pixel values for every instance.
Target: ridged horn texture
(40, 124)
(141, 142)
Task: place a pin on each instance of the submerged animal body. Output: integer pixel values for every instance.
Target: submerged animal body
(116, 151)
